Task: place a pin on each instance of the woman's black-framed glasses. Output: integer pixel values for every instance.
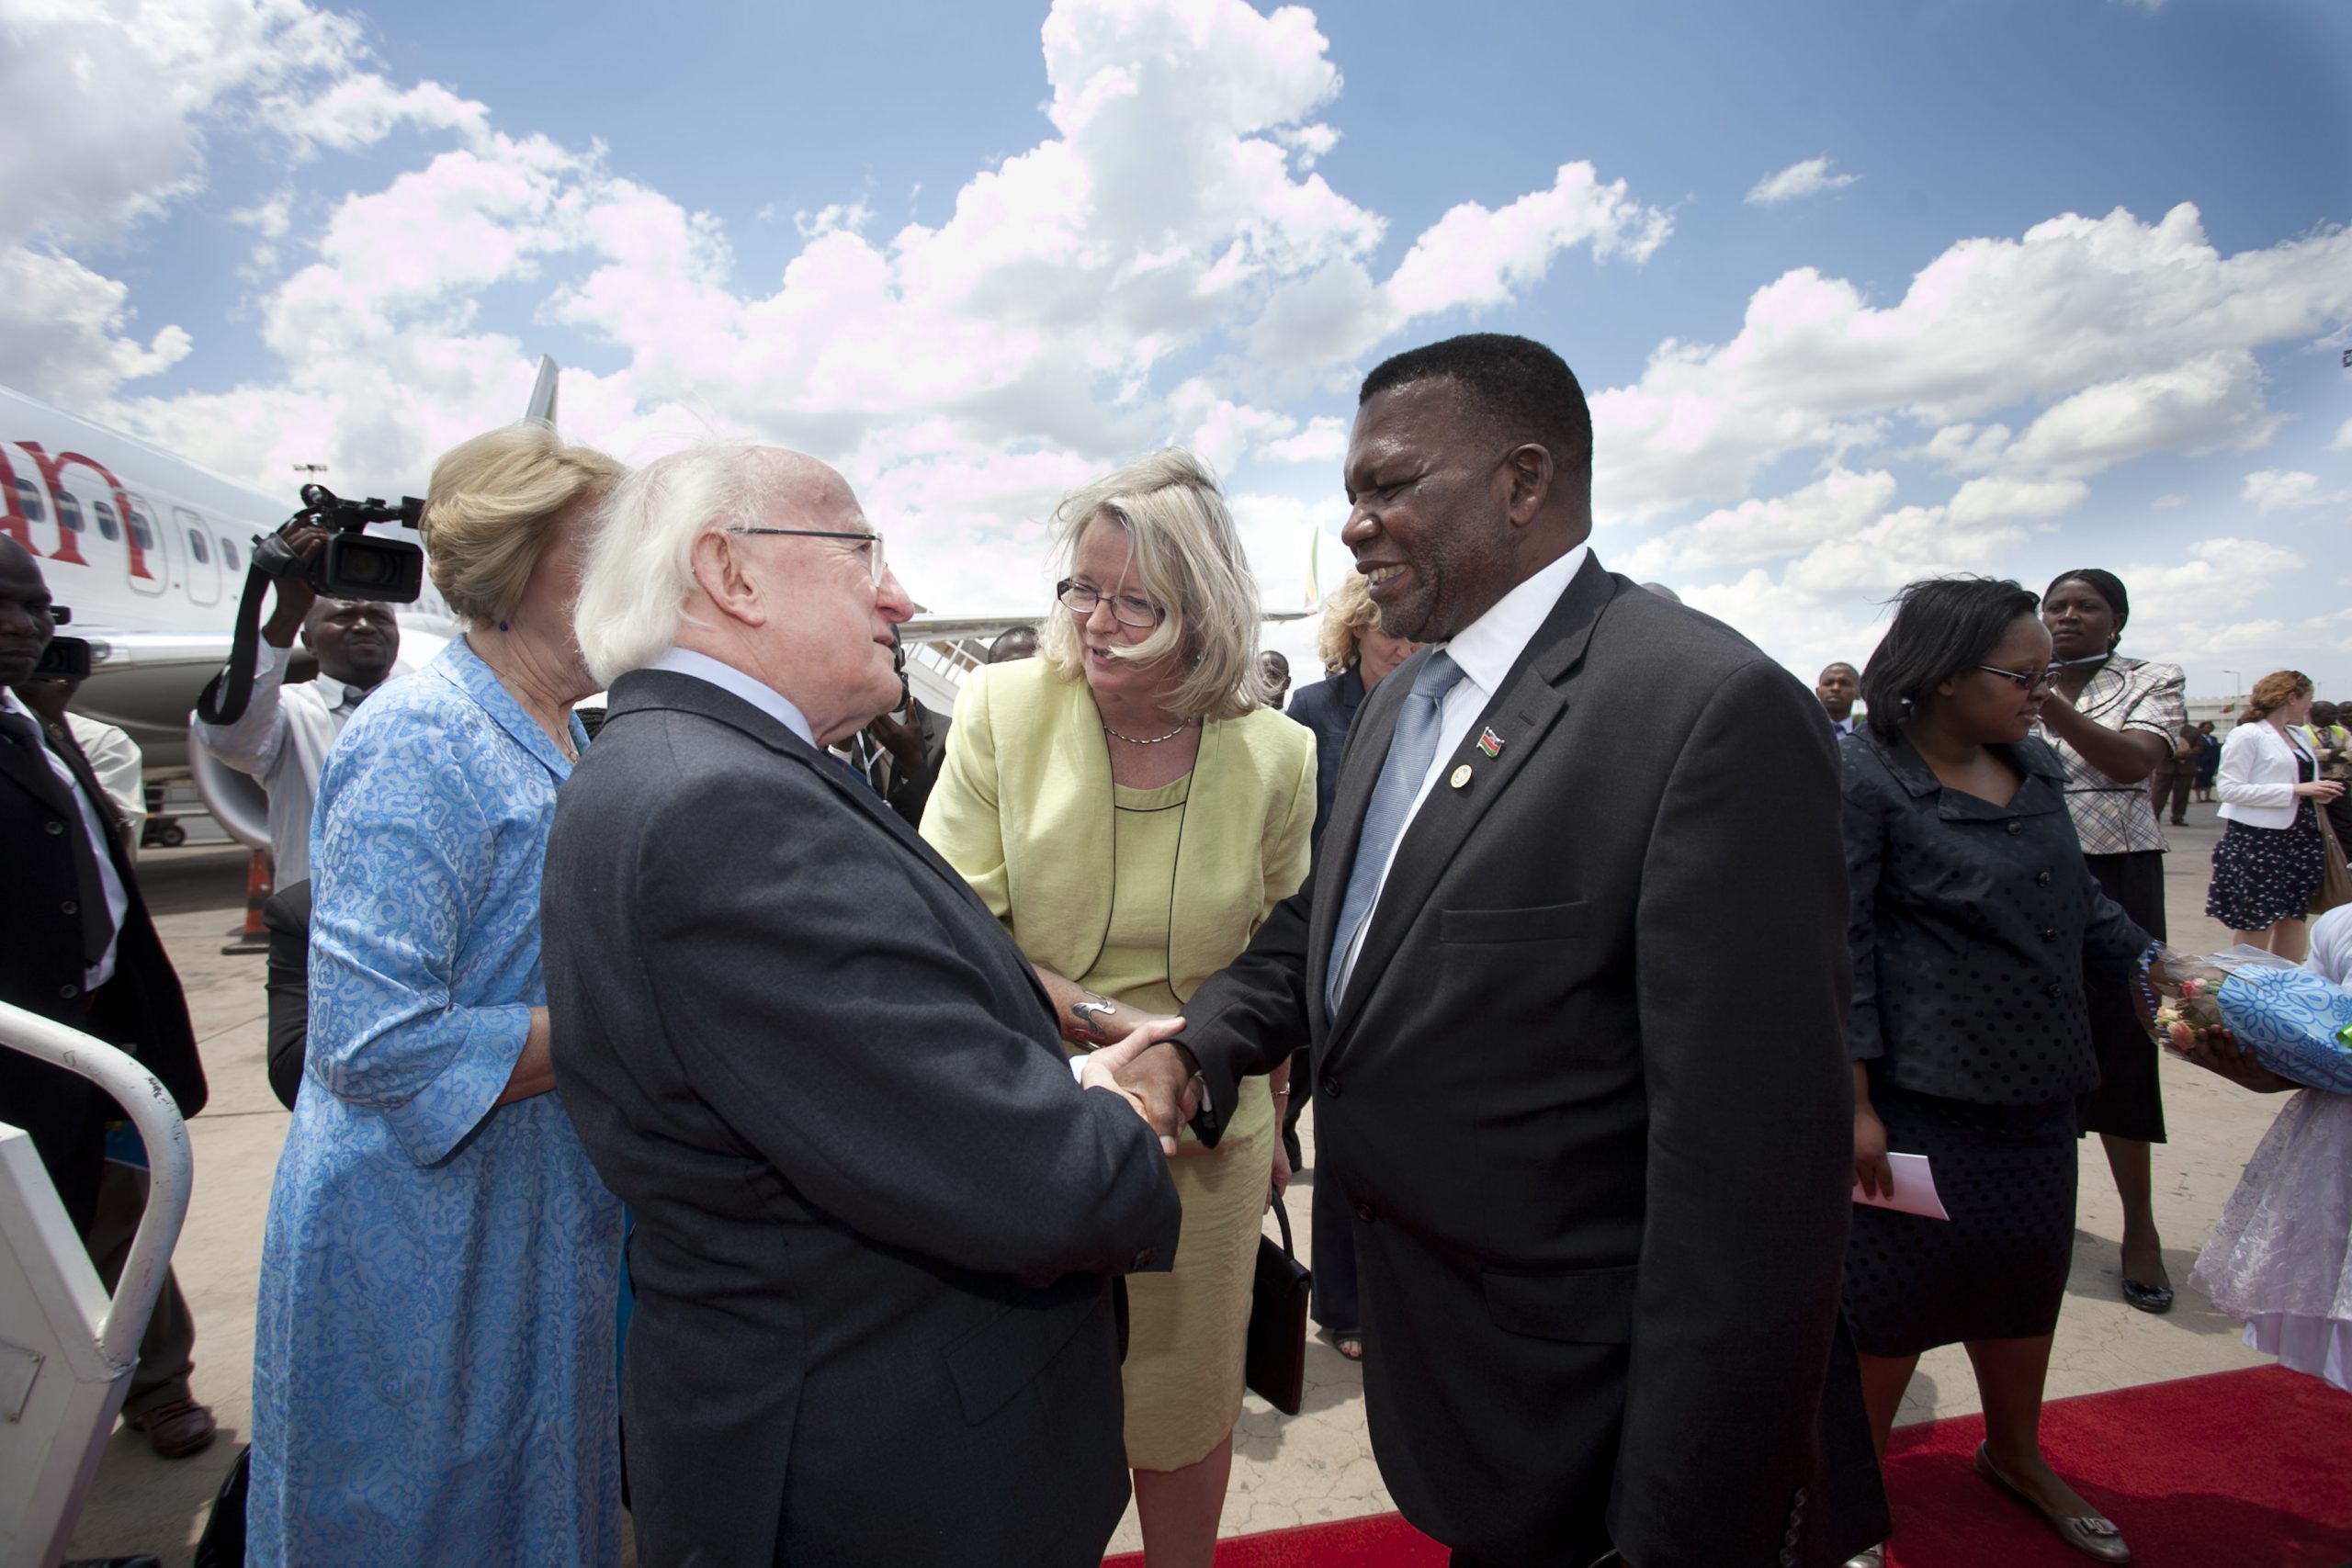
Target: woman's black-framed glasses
(2024, 680)
(1080, 600)
(873, 557)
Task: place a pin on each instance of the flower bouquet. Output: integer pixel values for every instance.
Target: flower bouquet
(2294, 1022)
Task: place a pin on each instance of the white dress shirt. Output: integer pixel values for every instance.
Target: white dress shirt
(94, 825)
(122, 771)
(727, 678)
(1486, 649)
(281, 739)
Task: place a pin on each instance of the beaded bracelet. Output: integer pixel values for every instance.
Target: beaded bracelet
(2147, 989)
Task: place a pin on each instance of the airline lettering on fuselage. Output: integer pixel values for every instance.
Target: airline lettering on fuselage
(62, 506)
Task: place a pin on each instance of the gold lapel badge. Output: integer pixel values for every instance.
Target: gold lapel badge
(1461, 776)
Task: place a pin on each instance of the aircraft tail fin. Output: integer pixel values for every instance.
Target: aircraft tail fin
(542, 406)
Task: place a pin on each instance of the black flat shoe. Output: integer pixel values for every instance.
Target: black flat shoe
(2157, 1299)
(2087, 1533)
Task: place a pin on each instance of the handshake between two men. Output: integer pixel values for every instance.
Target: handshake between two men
(1144, 1066)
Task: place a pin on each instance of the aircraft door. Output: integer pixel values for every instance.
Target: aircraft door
(201, 560)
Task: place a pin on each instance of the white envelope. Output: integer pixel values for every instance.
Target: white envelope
(1914, 1189)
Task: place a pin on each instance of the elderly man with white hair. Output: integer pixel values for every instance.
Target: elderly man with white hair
(877, 1218)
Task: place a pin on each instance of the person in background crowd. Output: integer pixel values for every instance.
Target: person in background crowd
(1357, 655)
(1836, 688)
(2279, 1259)
(899, 752)
(2112, 719)
(76, 945)
(2209, 759)
(2269, 863)
(2331, 745)
(433, 1362)
(1275, 670)
(286, 915)
(875, 1218)
(1974, 920)
(282, 737)
(2187, 751)
(114, 756)
(1131, 808)
(1020, 642)
(1541, 895)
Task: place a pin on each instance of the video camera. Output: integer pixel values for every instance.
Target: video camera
(352, 566)
(65, 658)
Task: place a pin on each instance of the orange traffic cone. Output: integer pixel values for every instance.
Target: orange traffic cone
(252, 936)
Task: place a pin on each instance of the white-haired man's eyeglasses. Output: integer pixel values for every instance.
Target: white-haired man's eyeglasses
(874, 561)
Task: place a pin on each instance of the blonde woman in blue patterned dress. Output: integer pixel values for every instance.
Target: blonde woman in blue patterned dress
(433, 1358)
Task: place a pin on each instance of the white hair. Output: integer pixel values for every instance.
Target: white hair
(640, 574)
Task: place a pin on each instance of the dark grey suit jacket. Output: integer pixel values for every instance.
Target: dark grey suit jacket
(876, 1219)
(1586, 1095)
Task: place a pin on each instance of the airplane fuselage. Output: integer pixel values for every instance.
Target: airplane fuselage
(149, 552)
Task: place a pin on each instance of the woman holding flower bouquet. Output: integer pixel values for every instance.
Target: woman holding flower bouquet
(1972, 921)
(2270, 860)
(2279, 1259)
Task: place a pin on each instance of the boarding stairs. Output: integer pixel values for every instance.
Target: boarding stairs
(66, 1351)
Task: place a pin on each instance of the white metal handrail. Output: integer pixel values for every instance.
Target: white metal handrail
(171, 1172)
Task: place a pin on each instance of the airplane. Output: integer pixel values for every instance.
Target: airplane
(149, 552)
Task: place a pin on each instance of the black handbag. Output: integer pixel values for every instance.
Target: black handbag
(1276, 1365)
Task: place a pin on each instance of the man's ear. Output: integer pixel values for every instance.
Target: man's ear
(1531, 470)
(719, 567)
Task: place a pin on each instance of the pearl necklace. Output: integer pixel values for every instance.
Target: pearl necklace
(1149, 740)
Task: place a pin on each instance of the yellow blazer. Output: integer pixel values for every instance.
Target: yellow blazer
(1022, 809)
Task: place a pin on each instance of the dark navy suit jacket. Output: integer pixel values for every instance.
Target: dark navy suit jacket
(1328, 708)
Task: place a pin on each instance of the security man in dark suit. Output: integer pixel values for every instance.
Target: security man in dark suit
(76, 946)
(878, 1217)
(1575, 991)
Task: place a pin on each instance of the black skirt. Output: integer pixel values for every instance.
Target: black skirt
(2263, 876)
(2129, 1100)
(1996, 1269)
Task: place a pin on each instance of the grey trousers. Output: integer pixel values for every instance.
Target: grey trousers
(166, 1351)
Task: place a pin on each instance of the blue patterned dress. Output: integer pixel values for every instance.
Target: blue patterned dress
(432, 1358)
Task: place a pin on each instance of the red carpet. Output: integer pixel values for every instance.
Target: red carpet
(2239, 1470)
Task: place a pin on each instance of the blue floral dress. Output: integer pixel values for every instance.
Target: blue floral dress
(433, 1358)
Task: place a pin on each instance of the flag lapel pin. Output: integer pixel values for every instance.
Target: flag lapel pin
(1490, 743)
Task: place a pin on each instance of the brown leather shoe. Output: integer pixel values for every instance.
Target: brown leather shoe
(176, 1430)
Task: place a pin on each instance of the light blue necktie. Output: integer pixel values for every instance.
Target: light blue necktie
(1409, 751)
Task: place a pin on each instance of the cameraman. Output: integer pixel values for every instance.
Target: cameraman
(283, 735)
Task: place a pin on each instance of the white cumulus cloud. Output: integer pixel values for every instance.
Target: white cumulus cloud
(1809, 177)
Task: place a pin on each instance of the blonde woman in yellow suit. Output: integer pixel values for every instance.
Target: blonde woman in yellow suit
(1129, 808)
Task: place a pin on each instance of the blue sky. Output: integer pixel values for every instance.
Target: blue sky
(2044, 284)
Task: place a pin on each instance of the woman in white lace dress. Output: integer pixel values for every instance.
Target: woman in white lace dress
(2280, 1258)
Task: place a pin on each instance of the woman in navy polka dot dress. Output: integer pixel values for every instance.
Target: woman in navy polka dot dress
(1972, 920)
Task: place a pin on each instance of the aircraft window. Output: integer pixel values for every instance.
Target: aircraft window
(196, 548)
(29, 502)
(69, 512)
(108, 529)
(142, 530)
(228, 554)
